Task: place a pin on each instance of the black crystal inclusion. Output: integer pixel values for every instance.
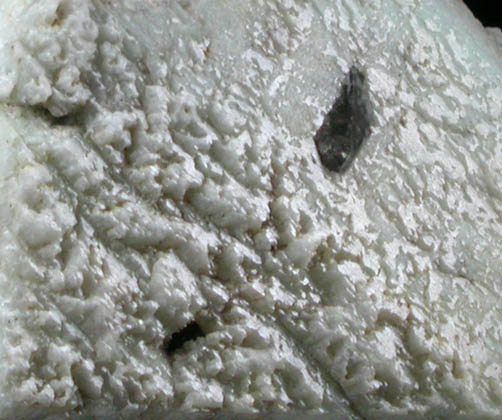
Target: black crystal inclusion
(191, 332)
(346, 125)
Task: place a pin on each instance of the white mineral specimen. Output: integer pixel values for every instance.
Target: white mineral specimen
(158, 168)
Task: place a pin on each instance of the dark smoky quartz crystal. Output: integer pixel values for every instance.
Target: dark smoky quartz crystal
(347, 124)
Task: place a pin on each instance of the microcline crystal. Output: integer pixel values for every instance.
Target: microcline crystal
(181, 235)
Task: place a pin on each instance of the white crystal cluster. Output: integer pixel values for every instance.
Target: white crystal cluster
(157, 167)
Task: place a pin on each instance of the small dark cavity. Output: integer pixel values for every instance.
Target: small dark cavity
(347, 124)
(71, 120)
(66, 121)
(60, 15)
(189, 333)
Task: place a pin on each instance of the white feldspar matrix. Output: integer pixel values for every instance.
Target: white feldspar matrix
(181, 235)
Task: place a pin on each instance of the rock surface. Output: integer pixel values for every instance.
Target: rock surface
(158, 174)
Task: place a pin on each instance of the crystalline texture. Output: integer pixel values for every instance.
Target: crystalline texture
(157, 168)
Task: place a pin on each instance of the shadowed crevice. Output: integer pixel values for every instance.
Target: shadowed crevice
(189, 333)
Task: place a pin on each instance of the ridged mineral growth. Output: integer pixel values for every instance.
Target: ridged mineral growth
(180, 236)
